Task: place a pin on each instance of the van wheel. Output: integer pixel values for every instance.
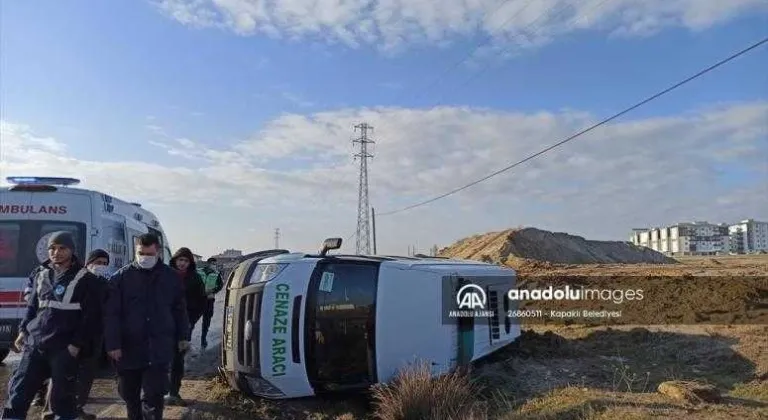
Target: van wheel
(4, 354)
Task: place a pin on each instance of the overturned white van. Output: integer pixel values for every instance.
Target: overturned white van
(299, 325)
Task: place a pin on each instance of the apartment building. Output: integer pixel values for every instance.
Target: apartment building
(691, 238)
(748, 236)
(228, 259)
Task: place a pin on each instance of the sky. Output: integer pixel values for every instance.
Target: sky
(230, 118)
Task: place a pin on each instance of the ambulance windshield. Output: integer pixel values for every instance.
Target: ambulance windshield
(24, 244)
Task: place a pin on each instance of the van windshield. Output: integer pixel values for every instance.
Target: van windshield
(341, 324)
(24, 244)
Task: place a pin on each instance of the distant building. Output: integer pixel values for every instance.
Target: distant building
(692, 238)
(198, 258)
(228, 258)
(748, 236)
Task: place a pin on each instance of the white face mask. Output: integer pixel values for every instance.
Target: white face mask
(100, 270)
(146, 261)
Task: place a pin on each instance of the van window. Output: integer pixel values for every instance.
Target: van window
(24, 244)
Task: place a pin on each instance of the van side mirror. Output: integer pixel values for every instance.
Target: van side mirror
(329, 244)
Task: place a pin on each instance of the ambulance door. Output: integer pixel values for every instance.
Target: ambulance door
(166, 250)
(341, 323)
(116, 242)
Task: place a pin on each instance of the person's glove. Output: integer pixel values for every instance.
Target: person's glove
(18, 344)
(183, 346)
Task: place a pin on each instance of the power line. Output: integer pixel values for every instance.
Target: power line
(482, 71)
(472, 51)
(588, 129)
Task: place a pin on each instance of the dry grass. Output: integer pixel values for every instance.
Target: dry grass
(415, 394)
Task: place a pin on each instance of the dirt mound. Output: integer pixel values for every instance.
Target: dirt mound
(554, 247)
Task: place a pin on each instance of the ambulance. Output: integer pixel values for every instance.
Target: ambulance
(32, 208)
(299, 325)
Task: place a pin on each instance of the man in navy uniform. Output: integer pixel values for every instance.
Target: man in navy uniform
(98, 264)
(59, 322)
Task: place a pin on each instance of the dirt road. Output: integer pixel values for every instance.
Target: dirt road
(106, 403)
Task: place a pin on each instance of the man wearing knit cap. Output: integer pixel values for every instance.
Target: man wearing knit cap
(54, 332)
(98, 264)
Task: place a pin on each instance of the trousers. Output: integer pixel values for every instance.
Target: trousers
(153, 381)
(177, 368)
(86, 373)
(207, 316)
(36, 366)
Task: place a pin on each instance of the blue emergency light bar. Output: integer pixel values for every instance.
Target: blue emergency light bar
(41, 180)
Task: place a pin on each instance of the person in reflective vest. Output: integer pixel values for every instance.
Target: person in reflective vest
(213, 284)
(98, 264)
(56, 329)
(41, 395)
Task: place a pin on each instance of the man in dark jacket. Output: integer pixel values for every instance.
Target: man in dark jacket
(98, 264)
(145, 324)
(213, 284)
(54, 332)
(183, 262)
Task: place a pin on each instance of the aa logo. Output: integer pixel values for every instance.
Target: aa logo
(471, 296)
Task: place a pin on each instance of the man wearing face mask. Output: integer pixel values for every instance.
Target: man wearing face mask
(145, 324)
(58, 323)
(183, 262)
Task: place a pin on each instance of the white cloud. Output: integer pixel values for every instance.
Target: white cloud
(297, 100)
(391, 23)
(297, 173)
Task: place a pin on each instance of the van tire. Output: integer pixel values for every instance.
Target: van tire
(4, 354)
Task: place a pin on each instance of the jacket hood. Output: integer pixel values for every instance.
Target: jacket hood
(186, 253)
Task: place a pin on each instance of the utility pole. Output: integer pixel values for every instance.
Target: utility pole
(363, 245)
(373, 223)
(277, 238)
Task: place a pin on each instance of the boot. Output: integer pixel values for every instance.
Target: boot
(83, 415)
(174, 400)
